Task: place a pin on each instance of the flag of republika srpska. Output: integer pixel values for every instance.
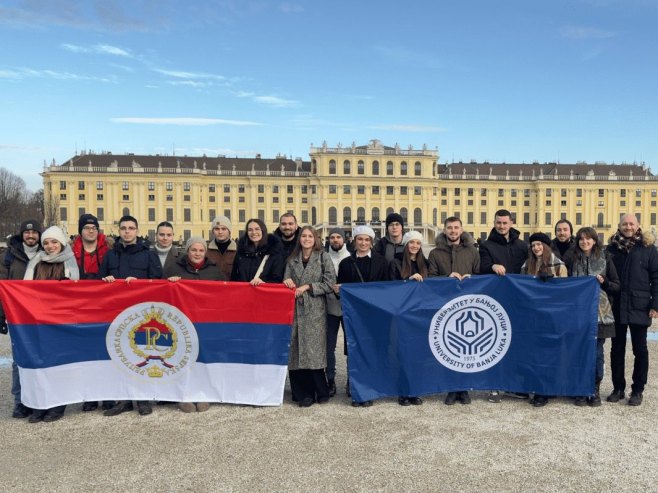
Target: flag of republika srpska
(190, 341)
(515, 333)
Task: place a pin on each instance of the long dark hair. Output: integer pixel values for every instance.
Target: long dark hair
(588, 232)
(533, 264)
(263, 228)
(317, 246)
(407, 269)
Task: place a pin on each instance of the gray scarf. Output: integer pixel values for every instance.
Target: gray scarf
(65, 256)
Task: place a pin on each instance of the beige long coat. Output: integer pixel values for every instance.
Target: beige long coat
(308, 345)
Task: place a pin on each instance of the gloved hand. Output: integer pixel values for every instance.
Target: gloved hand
(544, 276)
(3, 326)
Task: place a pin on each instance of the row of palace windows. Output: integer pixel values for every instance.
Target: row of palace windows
(375, 190)
(187, 187)
(470, 192)
(361, 167)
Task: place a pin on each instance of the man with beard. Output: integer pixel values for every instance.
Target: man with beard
(455, 256)
(337, 252)
(636, 260)
(564, 242)
(288, 233)
(22, 248)
(503, 252)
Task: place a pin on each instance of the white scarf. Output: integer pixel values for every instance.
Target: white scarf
(65, 257)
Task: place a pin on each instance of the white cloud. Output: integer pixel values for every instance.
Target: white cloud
(274, 101)
(409, 128)
(189, 83)
(180, 74)
(99, 49)
(28, 73)
(581, 32)
(183, 121)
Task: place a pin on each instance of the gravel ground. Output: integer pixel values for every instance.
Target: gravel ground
(509, 446)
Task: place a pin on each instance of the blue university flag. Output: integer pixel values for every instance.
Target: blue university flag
(514, 333)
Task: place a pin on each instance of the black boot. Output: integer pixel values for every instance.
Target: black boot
(595, 400)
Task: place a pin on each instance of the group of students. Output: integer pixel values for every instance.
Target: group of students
(295, 257)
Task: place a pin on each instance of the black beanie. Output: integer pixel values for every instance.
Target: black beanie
(86, 219)
(31, 225)
(394, 217)
(540, 237)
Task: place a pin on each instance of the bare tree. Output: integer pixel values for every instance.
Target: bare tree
(13, 195)
(49, 205)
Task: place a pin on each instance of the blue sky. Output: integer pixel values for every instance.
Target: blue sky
(505, 80)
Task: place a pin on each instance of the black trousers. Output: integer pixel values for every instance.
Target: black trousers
(618, 355)
(308, 383)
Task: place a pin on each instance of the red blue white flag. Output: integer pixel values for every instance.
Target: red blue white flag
(190, 341)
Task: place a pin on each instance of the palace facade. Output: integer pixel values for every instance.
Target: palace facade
(344, 186)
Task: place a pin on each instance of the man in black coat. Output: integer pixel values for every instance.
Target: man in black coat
(636, 260)
(503, 252)
(131, 258)
(288, 233)
(13, 263)
(564, 242)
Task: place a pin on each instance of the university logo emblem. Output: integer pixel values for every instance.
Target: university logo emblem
(470, 334)
(152, 340)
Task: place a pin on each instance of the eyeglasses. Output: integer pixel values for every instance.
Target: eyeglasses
(90, 228)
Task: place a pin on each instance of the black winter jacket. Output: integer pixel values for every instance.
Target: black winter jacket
(638, 276)
(181, 268)
(347, 269)
(135, 260)
(497, 250)
(246, 262)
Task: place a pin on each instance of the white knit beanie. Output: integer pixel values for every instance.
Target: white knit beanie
(412, 235)
(55, 233)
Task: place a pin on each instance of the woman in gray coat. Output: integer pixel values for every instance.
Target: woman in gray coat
(310, 272)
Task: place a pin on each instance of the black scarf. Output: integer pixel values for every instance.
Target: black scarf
(626, 244)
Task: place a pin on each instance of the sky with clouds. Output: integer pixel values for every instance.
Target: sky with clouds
(502, 81)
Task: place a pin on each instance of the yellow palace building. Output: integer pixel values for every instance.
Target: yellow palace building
(344, 186)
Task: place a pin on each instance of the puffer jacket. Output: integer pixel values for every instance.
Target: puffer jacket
(135, 260)
(14, 260)
(445, 258)
(638, 276)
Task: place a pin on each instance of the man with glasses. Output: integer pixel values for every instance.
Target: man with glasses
(89, 247)
(130, 259)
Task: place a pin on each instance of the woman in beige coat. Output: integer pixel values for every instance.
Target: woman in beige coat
(310, 272)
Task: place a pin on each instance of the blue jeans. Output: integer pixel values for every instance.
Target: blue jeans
(600, 359)
(333, 326)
